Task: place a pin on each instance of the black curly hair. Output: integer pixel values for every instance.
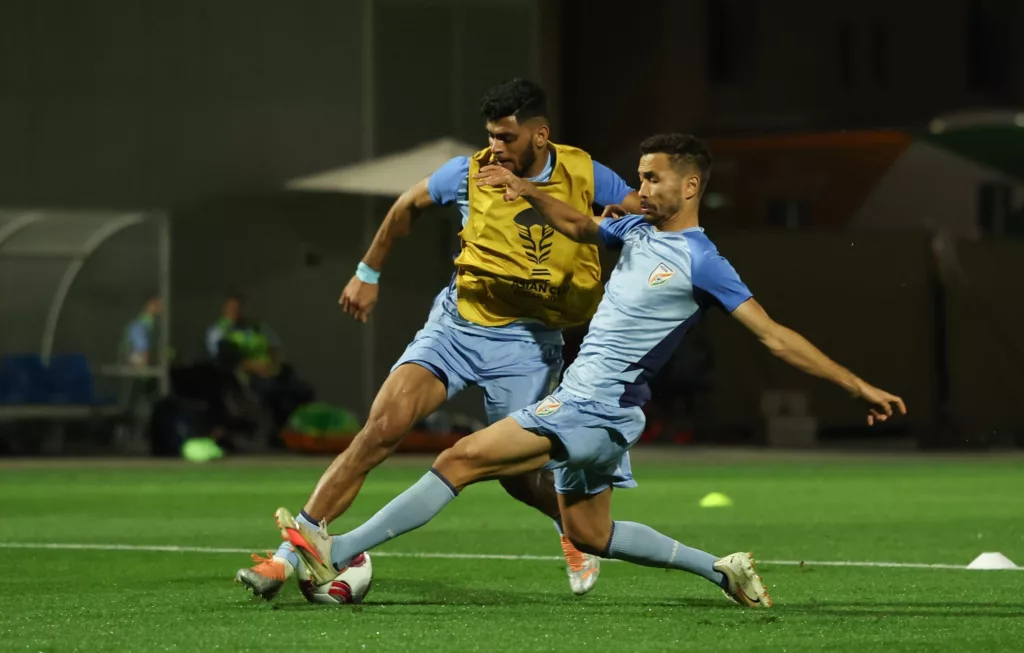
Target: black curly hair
(519, 98)
(683, 150)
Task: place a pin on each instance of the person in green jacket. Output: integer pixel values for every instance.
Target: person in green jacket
(249, 346)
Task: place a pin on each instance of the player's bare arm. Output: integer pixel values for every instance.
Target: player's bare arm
(796, 350)
(563, 217)
(359, 297)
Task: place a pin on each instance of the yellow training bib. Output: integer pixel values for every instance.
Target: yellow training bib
(514, 266)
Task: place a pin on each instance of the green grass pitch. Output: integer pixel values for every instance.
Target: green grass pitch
(912, 510)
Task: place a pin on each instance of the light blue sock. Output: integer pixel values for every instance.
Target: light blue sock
(288, 553)
(408, 511)
(642, 545)
(558, 527)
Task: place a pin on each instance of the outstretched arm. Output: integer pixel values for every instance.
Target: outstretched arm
(360, 295)
(397, 223)
(563, 217)
(796, 350)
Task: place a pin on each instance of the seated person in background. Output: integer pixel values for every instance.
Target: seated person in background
(141, 338)
(239, 342)
(235, 336)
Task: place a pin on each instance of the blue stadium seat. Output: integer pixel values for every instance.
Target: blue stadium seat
(23, 380)
(71, 380)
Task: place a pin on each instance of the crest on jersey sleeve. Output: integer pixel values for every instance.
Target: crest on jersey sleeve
(661, 274)
(547, 406)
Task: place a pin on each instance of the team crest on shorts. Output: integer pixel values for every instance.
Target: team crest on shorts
(661, 274)
(548, 406)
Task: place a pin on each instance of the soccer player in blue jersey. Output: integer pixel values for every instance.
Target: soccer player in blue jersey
(668, 273)
(497, 325)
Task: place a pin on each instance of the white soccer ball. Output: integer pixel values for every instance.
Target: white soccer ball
(350, 586)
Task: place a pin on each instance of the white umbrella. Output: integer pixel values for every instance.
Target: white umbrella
(389, 175)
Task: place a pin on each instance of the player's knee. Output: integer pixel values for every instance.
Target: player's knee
(468, 453)
(463, 463)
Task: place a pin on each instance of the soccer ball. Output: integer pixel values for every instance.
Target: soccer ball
(350, 586)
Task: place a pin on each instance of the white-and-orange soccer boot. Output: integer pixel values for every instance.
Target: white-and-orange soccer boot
(313, 545)
(583, 568)
(266, 578)
(745, 586)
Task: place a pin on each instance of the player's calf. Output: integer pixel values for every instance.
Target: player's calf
(590, 538)
(410, 393)
(379, 438)
(340, 484)
(535, 489)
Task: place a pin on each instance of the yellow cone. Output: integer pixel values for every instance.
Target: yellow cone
(715, 500)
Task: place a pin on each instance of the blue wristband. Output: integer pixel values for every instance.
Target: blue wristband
(366, 274)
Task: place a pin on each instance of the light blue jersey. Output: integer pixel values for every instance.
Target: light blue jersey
(140, 337)
(659, 288)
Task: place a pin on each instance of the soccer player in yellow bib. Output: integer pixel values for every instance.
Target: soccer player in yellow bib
(498, 325)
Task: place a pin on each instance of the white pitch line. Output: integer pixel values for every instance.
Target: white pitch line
(68, 546)
(853, 563)
(203, 549)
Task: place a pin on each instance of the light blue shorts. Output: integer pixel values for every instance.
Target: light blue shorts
(512, 373)
(592, 440)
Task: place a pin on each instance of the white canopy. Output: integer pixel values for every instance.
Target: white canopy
(74, 236)
(389, 175)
